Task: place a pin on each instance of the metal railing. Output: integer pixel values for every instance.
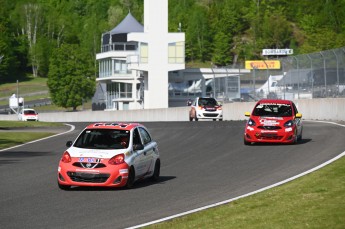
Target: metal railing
(307, 76)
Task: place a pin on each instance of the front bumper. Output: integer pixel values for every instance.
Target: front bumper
(209, 114)
(286, 135)
(109, 176)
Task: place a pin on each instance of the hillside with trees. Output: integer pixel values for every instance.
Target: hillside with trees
(223, 32)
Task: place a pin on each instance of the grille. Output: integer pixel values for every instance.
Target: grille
(269, 127)
(88, 177)
(88, 165)
(268, 136)
(210, 115)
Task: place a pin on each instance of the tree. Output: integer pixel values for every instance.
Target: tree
(71, 76)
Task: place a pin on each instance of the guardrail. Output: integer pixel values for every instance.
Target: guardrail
(332, 109)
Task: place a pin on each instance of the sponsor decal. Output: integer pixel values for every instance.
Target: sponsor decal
(87, 170)
(268, 122)
(269, 131)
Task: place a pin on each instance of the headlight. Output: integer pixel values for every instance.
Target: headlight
(289, 123)
(251, 122)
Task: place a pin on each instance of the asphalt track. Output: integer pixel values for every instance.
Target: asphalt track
(202, 163)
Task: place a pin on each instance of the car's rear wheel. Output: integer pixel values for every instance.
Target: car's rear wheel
(156, 172)
(196, 119)
(63, 187)
(131, 178)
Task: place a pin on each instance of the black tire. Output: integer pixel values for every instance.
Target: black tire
(299, 138)
(221, 119)
(156, 172)
(131, 178)
(64, 187)
(196, 119)
(246, 142)
(295, 140)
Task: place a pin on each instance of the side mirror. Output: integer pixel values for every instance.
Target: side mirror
(298, 115)
(138, 147)
(247, 114)
(69, 143)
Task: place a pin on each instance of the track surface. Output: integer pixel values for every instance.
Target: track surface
(202, 163)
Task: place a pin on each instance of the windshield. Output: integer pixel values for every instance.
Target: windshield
(103, 139)
(27, 112)
(207, 102)
(273, 110)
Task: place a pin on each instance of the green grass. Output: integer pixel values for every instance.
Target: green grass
(316, 200)
(30, 85)
(13, 124)
(9, 139)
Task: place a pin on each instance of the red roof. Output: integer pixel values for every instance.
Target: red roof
(116, 126)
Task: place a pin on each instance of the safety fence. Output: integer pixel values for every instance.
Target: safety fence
(307, 76)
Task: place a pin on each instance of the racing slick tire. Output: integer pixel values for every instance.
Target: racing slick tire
(246, 142)
(131, 178)
(63, 187)
(156, 172)
(299, 138)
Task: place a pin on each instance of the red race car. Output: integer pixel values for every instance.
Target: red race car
(109, 154)
(273, 121)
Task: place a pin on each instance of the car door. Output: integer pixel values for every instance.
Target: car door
(148, 152)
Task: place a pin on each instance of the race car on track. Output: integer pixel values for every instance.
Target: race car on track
(205, 108)
(28, 114)
(273, 121)
(111, 155)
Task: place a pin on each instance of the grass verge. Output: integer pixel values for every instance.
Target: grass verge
(9, 139)
(21, 124)
(316, 200)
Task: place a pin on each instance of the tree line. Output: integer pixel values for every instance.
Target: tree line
(34, 33)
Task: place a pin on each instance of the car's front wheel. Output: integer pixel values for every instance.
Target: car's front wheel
(156, 172)
(131, 178)
(63, 187)
(246, 142)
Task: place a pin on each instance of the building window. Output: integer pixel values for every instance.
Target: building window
(105, 67)
(120, 66)
(176, 53)
(144, 53)
(119, 90)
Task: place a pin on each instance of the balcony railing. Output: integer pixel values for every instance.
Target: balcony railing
(119, 46)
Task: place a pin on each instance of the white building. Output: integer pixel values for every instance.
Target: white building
(135, 60)
(142, 66)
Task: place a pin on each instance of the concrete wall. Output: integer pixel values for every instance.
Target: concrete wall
(332, 109)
